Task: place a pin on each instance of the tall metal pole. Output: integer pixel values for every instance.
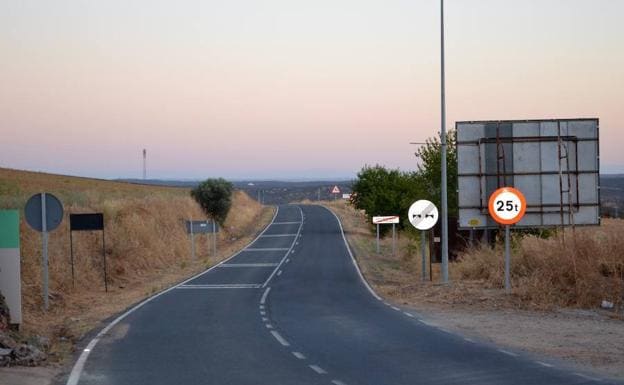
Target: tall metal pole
(44, 254)
(444, 208)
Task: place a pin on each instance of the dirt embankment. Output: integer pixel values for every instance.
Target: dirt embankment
(552, 312)
(147, 250)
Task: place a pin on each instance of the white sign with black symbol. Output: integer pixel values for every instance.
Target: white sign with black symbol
(423, 214)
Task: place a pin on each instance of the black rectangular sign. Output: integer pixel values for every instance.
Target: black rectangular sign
(202, 227)
(86, 222)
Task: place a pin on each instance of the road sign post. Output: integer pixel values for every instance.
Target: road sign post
(388, 219)
(423, 215)
(507, 206)
(10, 276)
(44, 213)
(88, 222)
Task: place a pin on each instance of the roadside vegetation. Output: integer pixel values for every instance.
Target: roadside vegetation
(573, 268)
(147, 249)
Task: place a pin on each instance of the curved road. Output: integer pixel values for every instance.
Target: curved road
(292, 308)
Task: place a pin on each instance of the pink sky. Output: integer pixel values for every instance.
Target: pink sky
(281, 89)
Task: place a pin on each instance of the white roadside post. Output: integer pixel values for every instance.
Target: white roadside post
(423, 215)
(388, 219)
(507, 206)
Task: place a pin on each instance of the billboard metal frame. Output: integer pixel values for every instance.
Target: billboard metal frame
(569, 201)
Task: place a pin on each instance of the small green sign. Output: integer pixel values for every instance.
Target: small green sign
(9, 229)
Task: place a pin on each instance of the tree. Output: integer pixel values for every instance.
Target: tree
(430, 170)
(379, 191)
(215, 198)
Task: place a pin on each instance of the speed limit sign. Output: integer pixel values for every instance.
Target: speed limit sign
(507, 205)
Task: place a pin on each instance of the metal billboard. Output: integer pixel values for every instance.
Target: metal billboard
(555, 163)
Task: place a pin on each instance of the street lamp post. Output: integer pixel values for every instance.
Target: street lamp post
(444, 202)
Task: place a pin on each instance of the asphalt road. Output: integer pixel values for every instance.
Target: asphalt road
(292, 309)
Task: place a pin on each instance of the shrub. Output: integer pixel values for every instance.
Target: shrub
(215, 198)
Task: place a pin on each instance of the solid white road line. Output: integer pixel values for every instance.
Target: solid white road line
(278, 235)
(279, 338)
(344, 238)
(508, 352)
(317, 369)
(289, 250)
(222, 286)
(249, 265)
(264, 295)
(74, 375)
(590, 378)
(298, 355)
(267, 249)
(544, 364)
(338, 382)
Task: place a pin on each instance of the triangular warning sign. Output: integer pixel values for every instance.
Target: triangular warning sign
(335, 190)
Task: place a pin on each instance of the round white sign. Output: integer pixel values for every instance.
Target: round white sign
(507, 205)
(423, 214)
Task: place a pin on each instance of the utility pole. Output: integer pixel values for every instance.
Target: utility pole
(444, 208)
(144, 164)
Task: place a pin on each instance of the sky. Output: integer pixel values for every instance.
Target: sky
(290, 89)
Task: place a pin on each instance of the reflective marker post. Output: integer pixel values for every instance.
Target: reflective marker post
(214, 238)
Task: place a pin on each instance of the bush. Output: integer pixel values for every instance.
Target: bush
(215, 198)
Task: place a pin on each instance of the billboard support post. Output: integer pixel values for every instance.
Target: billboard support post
(377, 238)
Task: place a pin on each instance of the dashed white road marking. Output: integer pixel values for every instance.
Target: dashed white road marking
(279, 338)
(318, 369)
(267, 249)
(468, 339)
(408, 314)
(287, 260)
(264, 295)
(264, 319)
(508, 352)
(279, 273)
(248, 265)
(395, 308)
(544, 364)
(278, 235)
(286, 223)
(298, 355)
(261, 306)
(338, 382)
(269, 326)
(262, 313)
(221, 286)
(292, 245)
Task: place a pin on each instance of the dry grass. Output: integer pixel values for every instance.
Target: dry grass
(147, 248)
(579, 270)
(546, 273)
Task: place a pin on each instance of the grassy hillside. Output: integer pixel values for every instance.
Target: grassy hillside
(147, 247)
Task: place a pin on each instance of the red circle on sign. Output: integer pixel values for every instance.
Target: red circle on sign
(507, 205)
